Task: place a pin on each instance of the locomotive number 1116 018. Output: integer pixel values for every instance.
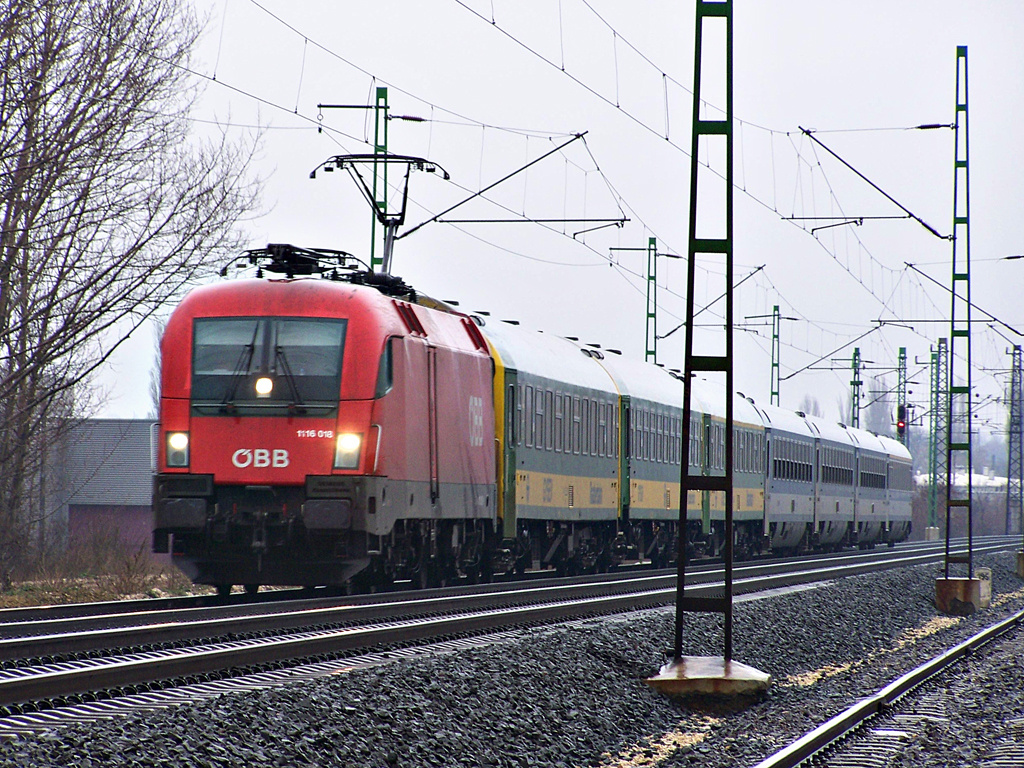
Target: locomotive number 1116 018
(327, 433)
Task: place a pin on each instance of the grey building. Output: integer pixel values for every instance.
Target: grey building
(100, 480)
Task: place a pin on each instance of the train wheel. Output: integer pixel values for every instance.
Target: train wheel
(223, 589)
(252, 589)
(424, 578)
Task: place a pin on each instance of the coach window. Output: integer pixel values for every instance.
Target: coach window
(642, 435)
(652, 436)
(673, 440)
(510, 415)
(585, 426)
(645, 437)
(638, 432)
(634, 428)
(668, 439)
(616, 425)
(559, 421)
(385, 373)
(520, 418)
(609, 429)
(634, 431)
(549, 420)
(528, 414)
(569, 421)
(588, 428)
(539, 418)
(576, 415)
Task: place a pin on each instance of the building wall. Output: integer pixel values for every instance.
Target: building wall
(100, 482)
(130, 525)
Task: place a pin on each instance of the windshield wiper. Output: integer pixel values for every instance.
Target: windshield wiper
(296, 406)
(241, 368)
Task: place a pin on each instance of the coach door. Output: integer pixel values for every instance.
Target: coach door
(432, 443)
(512, 407)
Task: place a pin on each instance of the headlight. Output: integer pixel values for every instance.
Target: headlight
(346, 451)
(177, 449)
(264, 386)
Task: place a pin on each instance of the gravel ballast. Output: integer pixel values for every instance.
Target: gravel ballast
(565, 696)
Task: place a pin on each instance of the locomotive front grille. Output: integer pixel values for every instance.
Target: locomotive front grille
(332, 486)
(186, 485)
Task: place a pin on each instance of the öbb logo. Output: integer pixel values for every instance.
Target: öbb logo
(259, 457)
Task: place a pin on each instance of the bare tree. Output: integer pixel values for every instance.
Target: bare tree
(880, 410)
(108, 208)
(811, 406)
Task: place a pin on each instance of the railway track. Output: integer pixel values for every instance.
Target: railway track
(46, 670)
(824, 745)
(61, 638)
(70, 617)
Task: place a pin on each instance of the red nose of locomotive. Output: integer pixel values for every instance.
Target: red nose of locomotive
(259, 442)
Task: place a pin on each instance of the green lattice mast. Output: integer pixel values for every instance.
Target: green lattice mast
(959, 433)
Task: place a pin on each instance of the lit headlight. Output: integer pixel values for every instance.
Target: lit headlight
(264, 386)
(346, 451)
(177, 449)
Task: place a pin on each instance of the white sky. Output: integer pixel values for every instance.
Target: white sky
(798, 63)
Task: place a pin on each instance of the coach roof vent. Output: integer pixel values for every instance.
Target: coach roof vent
(409, 318)
(474, 334)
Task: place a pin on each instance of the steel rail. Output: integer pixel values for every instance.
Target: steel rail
(830, 732)
(31, 640)
(92, 675)
(151, 607)
(109, 632)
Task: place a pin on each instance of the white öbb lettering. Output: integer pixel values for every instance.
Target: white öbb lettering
(259, 457)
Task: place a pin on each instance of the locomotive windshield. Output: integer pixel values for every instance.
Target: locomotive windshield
(267, 365)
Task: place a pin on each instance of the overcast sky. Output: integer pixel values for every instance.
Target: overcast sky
(501, 82)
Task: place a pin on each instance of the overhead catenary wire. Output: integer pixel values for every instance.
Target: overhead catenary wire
(625, 41)
(885, 299)
(886, 195)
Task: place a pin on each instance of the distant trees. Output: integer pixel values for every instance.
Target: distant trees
(811, 406)
(108, 207)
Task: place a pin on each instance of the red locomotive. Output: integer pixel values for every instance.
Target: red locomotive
(307, 425)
